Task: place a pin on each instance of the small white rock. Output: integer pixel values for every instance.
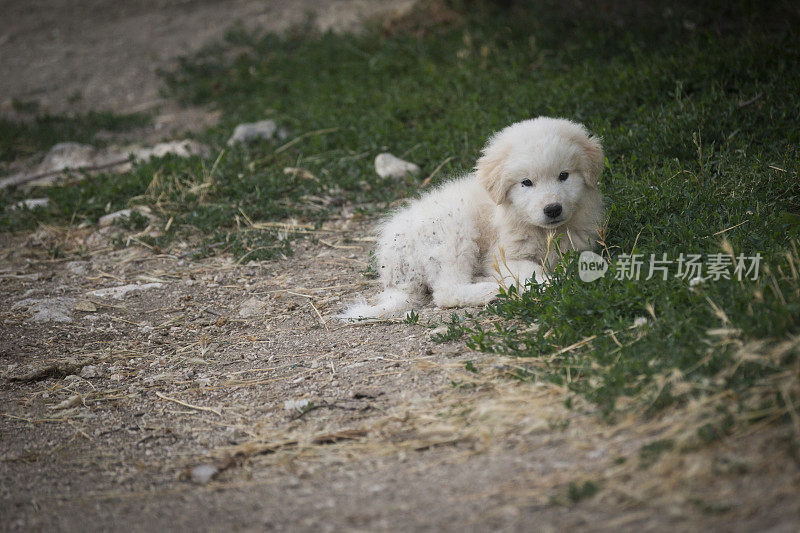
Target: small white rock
(91, 371)
(640, 321)
(75, 156)
(68, 155)
(47, 309)
(30, 203)
(62, 156)
(121, 291)
(204, 473)
(110, 218)
(389, 166)
(244, 133)
(184, 148)
(85, 306)
(291, 405)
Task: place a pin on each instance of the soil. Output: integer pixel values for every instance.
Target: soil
(107, 415)
(72, 56)
(217, 395)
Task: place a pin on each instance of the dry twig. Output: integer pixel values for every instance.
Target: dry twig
(190, 406)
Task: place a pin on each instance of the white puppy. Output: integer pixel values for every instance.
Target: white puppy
(536, 179)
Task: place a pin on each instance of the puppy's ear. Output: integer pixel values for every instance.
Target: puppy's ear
(490, 170)
(593, 152)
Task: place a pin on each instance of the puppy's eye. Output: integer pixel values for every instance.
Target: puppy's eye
(527, 183)
(563, 176)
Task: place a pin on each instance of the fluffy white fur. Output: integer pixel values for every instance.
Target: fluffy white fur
(447, 245)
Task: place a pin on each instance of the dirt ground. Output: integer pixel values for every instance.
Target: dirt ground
(80, 55)
(108, 413)
(150, 391)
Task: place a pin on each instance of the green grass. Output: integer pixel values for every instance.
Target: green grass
(577, 492)
(698, 106)
(25, 138)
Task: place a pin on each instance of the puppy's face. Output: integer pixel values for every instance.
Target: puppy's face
(539, 169)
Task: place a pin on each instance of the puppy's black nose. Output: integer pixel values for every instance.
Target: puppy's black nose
(552, 210)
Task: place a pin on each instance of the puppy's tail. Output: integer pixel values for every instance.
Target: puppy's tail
(390, 303)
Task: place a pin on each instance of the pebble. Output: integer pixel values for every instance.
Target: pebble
(60, 157)
(182, 148)
(204, 473)
(244, 133)
(121, 291)
(441, 330)
(291, 405)
(85, 306)
(389, 166)
(47, 309)
(91, 371)
(111, 218)
(71, 156)
(30, 203)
